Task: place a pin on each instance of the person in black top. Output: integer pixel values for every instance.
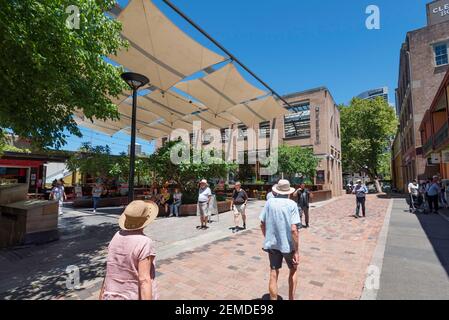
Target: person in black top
(304, 197)
(238, 204)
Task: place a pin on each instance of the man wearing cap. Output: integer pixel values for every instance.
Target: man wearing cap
(360, 191)
(279, 220)
(130, 266)
(204, 196)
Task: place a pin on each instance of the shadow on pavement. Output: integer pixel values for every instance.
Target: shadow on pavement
(437, 232)
(46, 279)
(267, 297)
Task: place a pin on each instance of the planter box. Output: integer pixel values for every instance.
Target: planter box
(322, 195)
(13, 193)
(190, 209)
(104, 202)
(26, 222)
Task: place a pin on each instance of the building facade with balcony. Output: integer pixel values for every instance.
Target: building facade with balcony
(423, 64)
(434, 131)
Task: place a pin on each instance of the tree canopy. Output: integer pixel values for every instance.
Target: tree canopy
(367, 129)
(50, 68)
(188, 173)
(293, 160)
(96, 161)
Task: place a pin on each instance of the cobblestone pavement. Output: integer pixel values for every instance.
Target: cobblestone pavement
(335, 254)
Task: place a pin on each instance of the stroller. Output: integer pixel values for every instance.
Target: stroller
(416, 206)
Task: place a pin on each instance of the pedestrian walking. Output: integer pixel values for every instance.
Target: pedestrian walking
(443, 200)
(303, 195)
(130, 266)
(360, 190)
(413, 191)
(432, 192)
(204, 197)
(279, 220)
(177, 201)
(238, 205)
(97, 191)
(58, 194)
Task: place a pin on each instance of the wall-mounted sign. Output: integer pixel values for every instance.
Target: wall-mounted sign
(437, 12)
(445, 156)
(435, 158)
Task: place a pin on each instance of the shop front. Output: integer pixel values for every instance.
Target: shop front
(26, 168)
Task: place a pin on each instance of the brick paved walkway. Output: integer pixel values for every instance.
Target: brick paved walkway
(335, 253)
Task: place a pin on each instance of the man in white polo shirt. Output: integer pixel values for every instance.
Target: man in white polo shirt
(204, 196)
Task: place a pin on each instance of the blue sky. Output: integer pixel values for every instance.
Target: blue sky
(296, 45)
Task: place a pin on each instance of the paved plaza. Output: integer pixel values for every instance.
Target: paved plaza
(335, 253)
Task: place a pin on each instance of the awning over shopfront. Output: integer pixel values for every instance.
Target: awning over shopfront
(218, 95)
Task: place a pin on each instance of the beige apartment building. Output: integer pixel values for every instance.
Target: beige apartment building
(313, 121)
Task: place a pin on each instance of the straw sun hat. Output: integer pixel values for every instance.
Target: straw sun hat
(138, 215)
(283, 188)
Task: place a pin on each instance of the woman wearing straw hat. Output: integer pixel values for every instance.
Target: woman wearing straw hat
(130, 270)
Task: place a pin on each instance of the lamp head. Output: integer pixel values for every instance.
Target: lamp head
(135, 80)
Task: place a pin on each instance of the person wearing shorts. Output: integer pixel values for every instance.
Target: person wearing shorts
(238, 204)
(279, 224)
(204, 196)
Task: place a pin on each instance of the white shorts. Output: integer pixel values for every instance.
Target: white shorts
(202, 209)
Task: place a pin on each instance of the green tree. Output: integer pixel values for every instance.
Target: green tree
(120, 167)
(50, 69)
(95, 161)
(367, 129)
(188, 173)
(293, 160)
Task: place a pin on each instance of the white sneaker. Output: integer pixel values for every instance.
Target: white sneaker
(95, 211)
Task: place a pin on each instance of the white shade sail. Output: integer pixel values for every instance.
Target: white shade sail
(257, 111)
(109, 128)
(166, 55)
(221, 89)
(158, 48)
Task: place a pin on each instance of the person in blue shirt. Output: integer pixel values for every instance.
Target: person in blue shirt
(279, 224)
(360, 191)
(432, 192)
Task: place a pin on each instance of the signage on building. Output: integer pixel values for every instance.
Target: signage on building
(445, 156)
(437, 11)
(434, 159)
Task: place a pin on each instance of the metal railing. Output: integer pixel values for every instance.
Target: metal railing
(428, 146)
(441, 135)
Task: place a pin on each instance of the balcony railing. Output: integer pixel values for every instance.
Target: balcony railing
(441, 135)
(428, 146)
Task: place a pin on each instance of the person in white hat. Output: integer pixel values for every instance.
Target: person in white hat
(279, 224)
(130, 267)
(204, 197)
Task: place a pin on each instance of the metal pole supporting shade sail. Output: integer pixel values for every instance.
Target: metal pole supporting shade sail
(135, 81)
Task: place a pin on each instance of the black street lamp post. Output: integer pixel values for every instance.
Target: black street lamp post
(135, 81)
